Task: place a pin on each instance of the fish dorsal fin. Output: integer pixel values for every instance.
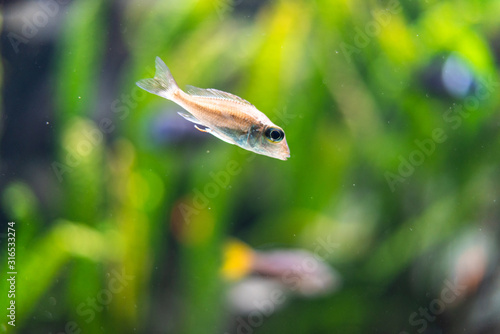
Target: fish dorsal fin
(215, 93)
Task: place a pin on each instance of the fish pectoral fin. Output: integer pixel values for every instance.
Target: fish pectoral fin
(203, 130)
(222, 137)
(190, 117)
(216, 134)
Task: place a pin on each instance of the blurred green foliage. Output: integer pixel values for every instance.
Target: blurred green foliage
(347, 82)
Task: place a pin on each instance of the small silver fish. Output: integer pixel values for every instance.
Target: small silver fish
(224, 115)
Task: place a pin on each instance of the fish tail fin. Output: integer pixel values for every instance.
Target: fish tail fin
(163, 84)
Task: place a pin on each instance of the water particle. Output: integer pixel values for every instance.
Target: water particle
(47, 123)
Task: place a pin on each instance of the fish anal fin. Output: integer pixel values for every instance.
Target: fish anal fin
(215, 93)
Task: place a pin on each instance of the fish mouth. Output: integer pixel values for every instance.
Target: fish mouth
(284, 157)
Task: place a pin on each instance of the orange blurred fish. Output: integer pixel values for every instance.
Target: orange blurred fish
(224, 115)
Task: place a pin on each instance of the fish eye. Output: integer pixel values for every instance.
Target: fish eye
(274, 134)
